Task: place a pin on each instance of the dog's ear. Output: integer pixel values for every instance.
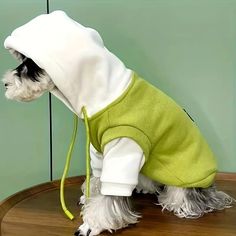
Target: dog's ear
(29, 70)
(33, 70)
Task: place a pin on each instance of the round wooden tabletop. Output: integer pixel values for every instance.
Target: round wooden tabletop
(37, 211)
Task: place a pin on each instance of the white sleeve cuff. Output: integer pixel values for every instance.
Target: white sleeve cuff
(116, 189)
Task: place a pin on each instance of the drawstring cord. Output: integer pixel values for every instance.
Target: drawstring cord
(68, 159)
(66, 168)
(87, 153)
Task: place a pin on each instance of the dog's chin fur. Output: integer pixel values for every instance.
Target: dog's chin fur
(24, 89)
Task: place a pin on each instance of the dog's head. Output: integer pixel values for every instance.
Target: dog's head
(26, 82)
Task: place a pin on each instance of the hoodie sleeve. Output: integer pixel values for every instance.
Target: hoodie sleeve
(123, 159)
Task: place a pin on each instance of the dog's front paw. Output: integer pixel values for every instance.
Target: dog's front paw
(106, 213)
(85, 230)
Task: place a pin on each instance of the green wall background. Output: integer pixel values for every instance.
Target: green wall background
(185, 47)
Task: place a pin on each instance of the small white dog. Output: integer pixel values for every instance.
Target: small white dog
(140, 138)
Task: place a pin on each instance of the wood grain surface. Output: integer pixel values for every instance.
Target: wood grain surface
(37, 211)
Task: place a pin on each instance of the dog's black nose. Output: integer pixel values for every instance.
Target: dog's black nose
(6, 85)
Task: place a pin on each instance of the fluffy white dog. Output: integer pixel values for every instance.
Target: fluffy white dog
(140, 138)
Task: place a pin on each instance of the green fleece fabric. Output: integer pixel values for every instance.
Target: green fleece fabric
(175, 152)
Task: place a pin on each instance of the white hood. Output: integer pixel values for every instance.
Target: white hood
(83, 70)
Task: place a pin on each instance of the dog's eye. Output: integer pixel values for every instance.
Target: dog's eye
(20, 68)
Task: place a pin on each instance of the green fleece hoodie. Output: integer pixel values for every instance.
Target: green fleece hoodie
(175, 151)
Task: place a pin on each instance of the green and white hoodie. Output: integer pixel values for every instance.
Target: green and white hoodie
(134, 126)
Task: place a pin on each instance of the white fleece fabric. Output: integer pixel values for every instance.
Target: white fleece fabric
(86, 74)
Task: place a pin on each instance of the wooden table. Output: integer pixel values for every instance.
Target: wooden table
(37, 211)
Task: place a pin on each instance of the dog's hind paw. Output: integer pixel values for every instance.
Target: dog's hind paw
(85, 230)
